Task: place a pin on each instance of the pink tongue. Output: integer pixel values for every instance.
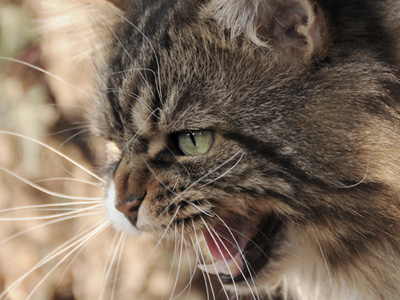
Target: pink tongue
(226, 242)
(223, 243)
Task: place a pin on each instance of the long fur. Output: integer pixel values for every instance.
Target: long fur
(303, 99)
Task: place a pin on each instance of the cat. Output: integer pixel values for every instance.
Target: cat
(266, 129)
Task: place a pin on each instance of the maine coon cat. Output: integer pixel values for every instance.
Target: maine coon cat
(267, 128)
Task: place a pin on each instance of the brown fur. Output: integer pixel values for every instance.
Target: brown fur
(303, 97)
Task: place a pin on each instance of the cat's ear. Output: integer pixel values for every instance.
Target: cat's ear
(296, 28)
(299, 27)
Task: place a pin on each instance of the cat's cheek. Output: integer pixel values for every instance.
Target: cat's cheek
(117, 218)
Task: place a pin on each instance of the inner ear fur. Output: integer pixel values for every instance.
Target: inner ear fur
(296, 28)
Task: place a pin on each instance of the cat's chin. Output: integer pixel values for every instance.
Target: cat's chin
(117, 218)
(241, 250)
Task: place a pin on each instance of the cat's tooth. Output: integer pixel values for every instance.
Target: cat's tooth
(230, 268)
(210, 269)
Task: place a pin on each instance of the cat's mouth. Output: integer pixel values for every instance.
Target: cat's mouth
(240, 247)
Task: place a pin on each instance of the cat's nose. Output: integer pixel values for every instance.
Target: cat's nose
(130, 206)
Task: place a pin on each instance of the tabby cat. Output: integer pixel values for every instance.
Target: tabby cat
(269, 129)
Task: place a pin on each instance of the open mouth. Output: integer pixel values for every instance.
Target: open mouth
(240, 247)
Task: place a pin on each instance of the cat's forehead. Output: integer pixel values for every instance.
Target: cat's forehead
(169, 111)
(177, 78)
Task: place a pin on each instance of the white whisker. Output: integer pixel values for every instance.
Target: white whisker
(249, 269)
(205, 274)
(69, 179)
(234, 261)
(46, 191)
(43, 210)
(192, 273)
(201, 253)
(47, 73)
(323, 257)
(206, 175)
(107, 265)
(71, 137)
(74, 243)
(48, 223)
(137, 134)
(118, 266)
(132, 69)
(179, 264)
(158, 86)
(219, 278)
(75, 256)
(110, 263)
(163, 235)
(160, 181)
(128, 54)
(69, 129)
(222, 175)
(82, 244)
(213, 170)
(32, 207)
(130, 94)
(55, 151)
(197, 262)
(201, 210)
(222, 255)
(172, 262)
(51, 216)
(360, 182)
(180, 163)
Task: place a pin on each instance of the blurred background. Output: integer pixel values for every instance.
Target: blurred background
(39, 253)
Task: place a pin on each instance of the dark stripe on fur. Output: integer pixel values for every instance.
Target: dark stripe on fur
(358, 22)
(271, 152)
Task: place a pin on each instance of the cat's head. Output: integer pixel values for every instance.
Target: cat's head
(269, 129)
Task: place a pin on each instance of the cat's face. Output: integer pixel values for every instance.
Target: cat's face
(274, 156)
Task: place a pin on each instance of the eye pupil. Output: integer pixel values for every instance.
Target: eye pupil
(193, 138)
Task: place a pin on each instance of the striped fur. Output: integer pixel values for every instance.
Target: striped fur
(303, 97)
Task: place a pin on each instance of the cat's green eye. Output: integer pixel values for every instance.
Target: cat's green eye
(195, 143)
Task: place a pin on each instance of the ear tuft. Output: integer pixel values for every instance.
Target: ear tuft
(241, 17)
(297, 28)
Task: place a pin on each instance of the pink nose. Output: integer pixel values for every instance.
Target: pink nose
(130, 206)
